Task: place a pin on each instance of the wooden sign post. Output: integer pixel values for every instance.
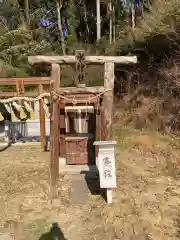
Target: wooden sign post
(106, 166)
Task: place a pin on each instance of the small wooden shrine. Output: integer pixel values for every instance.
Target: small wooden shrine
(23, 111)
(79, 115)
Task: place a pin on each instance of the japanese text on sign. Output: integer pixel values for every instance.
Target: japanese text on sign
(107, 169)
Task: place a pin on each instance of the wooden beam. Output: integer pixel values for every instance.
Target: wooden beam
(98, 127)
(62, 143)
(14, 94)
(76, 90)
(8, 94)
(107, 111)
(42, 121)
(88, 59)
(107, 104)
(27, 80)
(55, 131)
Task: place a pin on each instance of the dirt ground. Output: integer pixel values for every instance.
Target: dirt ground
(146, 202)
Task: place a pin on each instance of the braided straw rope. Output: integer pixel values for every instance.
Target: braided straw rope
(74, 100)
(25, 98)
(86, 100)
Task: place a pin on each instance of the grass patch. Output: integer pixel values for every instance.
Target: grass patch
(146, 202)
(37, 228)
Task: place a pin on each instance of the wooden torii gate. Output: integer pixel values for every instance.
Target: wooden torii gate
(106, 108)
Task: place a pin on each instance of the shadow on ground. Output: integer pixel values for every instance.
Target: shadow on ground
(55, 233)
(93, 182)
(2, 149)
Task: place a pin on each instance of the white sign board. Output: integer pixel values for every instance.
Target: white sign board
(106, 162)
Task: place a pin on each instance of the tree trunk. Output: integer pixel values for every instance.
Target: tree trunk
(98, 13)
(110, 22)
(114, 23)
(23, 22)
(60, 26)
(27, 12)
(133, 17)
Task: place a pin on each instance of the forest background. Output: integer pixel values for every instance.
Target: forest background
(147, 95)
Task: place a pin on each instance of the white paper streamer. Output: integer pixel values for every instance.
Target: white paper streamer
(46, 101)
(8, 107)
(28, 107)
(18, 108)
